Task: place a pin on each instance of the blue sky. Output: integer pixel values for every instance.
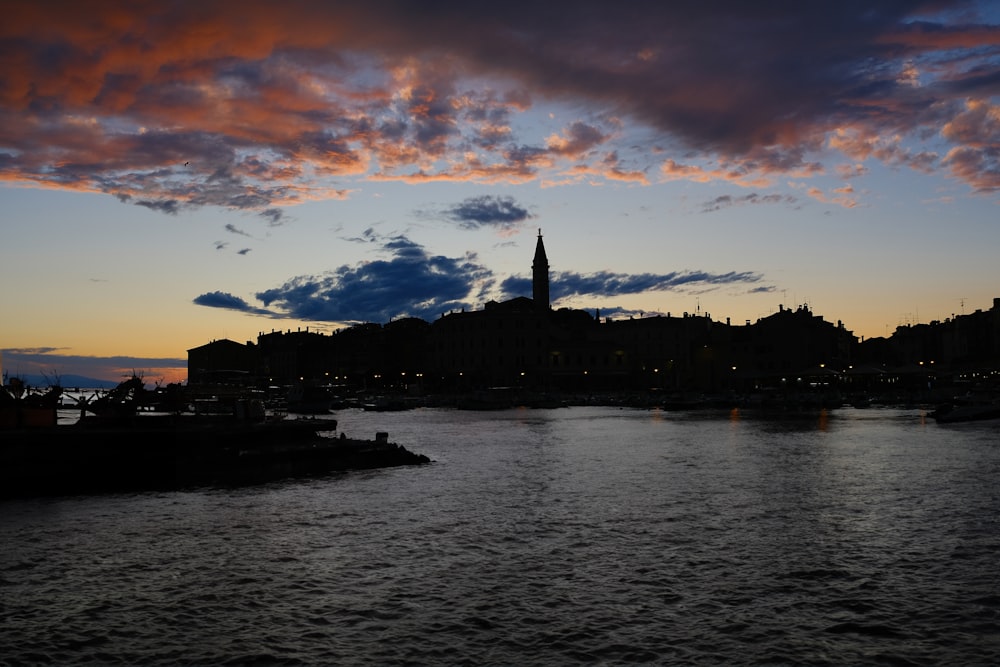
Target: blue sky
(175, 173)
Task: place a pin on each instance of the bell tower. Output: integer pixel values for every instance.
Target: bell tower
(540, 276)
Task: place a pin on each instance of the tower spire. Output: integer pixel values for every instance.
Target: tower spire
(540, 276)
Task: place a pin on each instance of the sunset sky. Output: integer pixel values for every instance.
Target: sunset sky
(173, 173)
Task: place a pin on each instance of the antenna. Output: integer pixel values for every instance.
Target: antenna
(961, 301)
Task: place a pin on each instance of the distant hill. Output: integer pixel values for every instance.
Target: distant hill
(67, 381)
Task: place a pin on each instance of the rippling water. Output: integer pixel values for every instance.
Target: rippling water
(581, 535)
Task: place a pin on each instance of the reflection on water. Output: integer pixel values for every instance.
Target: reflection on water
(582, 535)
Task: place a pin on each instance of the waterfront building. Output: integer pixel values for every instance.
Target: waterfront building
(791, 346)
(523, 343)
(221, 360)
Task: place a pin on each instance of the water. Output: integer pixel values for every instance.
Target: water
(572, 536)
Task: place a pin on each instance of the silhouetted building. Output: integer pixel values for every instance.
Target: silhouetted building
(963, 349)
(790, 346)
(292, 356)
(540, 276)
(356, 355)
(674, 353)
(522, 343)
(221, 361)
(503, 344)
(583, 354)
(403, 360)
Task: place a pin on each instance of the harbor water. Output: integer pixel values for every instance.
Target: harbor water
(585, 535)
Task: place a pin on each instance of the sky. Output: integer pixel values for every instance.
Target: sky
(173, 173)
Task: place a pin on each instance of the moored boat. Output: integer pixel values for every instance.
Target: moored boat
(951, 413)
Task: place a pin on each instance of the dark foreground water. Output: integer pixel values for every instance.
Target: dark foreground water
(573, 536)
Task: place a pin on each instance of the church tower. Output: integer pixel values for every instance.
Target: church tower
(540, 276)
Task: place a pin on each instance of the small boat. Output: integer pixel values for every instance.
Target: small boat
(385, 404)
(309, 399)
(493, 398)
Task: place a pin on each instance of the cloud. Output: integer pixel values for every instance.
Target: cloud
(52, 361)
(728, 201)
(847, 171)
(369, 235)
(274, 216)
(411, 282)
(233, 229)
(502, 213)
(607, 283)
(976, 158)
(169, 206)
(26, 353)
(842, 196)
(887, 149)
(257, 106)
(576, 141)
(228, 301)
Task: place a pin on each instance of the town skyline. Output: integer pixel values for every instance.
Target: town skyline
(39, 368)
(173, 174)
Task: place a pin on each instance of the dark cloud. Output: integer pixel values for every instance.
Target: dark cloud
(28, 353)
(233, 229)
(228, 301)
(164, 105)
(500, 212)
(54, 357)
(367, 236)
(170, 206)
(411, 282)
(608, 284)
(578, 139)
(274, 216)
(53, 361)
(727, 77)
(728, 201)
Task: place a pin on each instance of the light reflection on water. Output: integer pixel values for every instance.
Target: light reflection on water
(539, 537)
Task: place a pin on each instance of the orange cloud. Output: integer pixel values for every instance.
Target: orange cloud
(858, 144)
(855, 170)
(736, 174)
(248, 104)
(599, 174)
(843, 196)
(575, 141)
(978, 125)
